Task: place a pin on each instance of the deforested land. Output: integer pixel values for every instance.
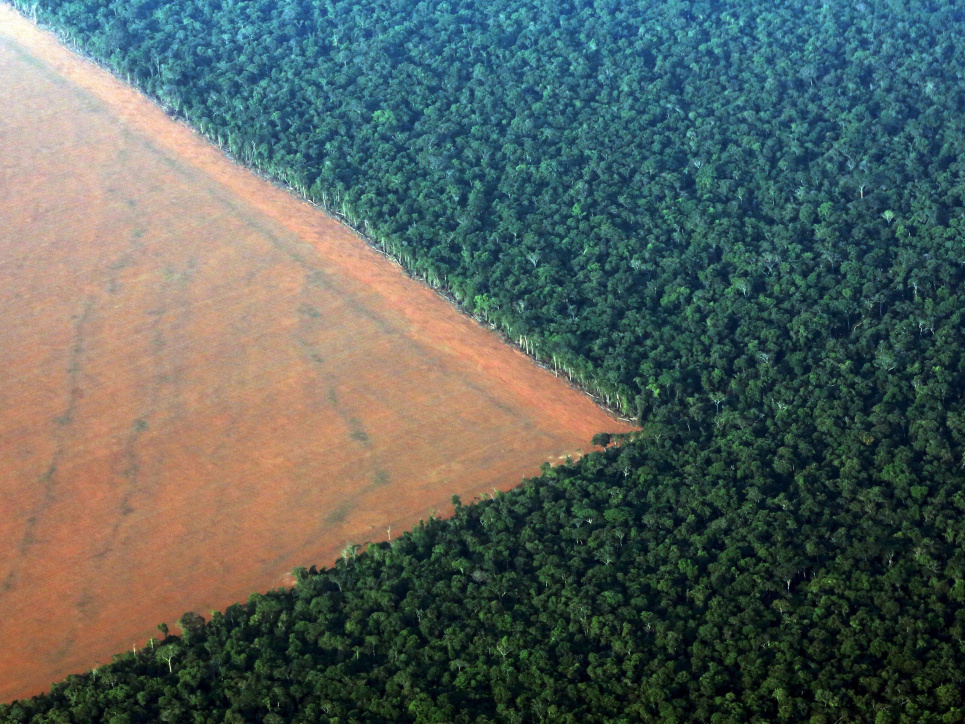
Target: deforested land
(206, 382)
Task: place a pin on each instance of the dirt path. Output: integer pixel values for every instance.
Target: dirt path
(206, 382)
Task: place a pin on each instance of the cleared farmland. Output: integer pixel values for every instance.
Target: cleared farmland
(206, 382)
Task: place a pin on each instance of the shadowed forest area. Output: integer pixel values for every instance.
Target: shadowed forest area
(741, 223)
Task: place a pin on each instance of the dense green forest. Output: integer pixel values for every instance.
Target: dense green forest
(742, 223)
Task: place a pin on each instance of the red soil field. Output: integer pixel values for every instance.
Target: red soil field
(205, 382)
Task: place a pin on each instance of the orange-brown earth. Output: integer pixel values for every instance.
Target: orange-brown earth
(205, 382)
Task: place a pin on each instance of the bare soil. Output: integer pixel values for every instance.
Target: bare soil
(205, 382)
